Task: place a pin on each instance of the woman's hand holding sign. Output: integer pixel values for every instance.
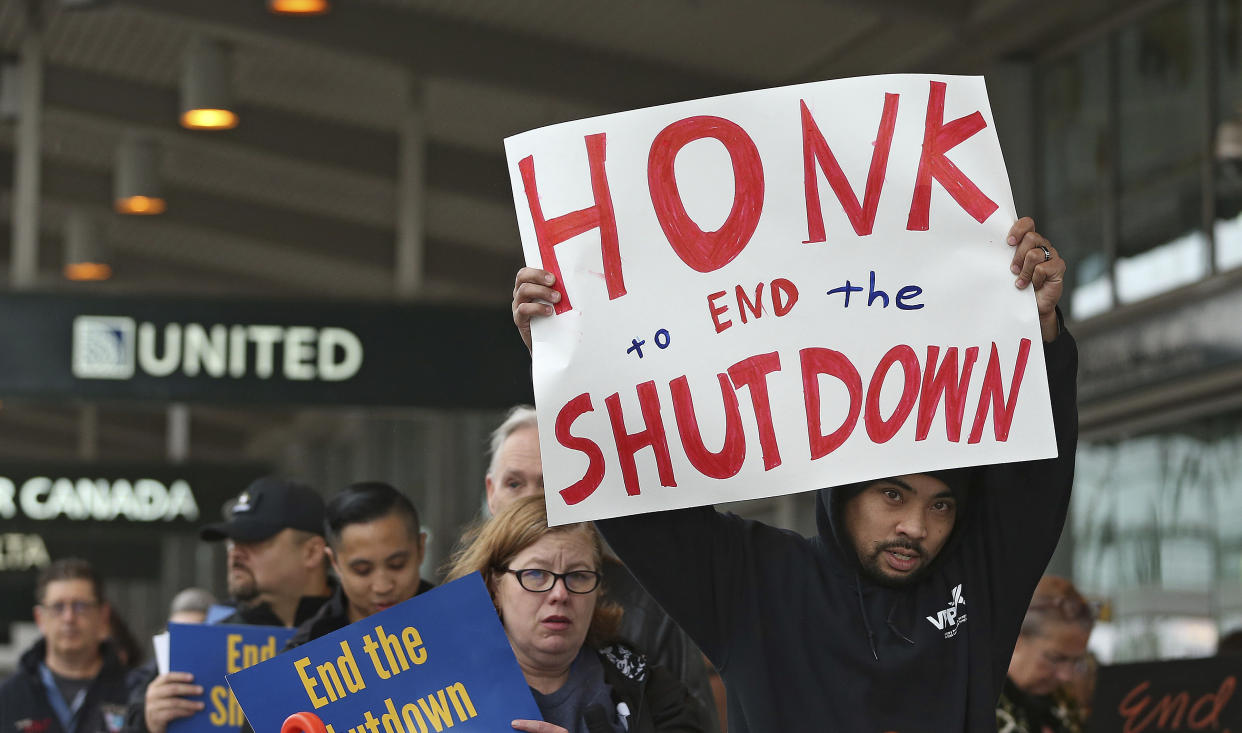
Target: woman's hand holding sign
(1036, 262)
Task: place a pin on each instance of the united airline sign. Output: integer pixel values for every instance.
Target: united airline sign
(260, 351)
(114, 347)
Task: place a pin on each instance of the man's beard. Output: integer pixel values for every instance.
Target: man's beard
(872, 566)
(242, 586)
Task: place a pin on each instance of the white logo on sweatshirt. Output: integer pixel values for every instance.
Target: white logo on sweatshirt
(950, 619)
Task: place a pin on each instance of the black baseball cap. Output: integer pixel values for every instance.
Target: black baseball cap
(267, 506)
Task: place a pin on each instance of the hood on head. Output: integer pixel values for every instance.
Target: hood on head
(828, 503)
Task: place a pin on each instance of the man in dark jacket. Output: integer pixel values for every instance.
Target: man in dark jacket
(277, 568)
(376, 545)
(276, 558)
(864, 628)
(70, 681)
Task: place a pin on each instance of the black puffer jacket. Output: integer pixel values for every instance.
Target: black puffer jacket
(23, 698)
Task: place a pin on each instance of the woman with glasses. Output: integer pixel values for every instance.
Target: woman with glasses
(1050, 652)
(545, 582)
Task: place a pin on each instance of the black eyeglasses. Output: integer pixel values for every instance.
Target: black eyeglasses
(536, 580)
(79, 608)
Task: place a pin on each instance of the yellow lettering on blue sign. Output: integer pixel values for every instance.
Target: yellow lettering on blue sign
(226, 711)
(309, 683)
(240, 656)
(414, 645)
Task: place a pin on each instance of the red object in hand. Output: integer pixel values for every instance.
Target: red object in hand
(303, 723)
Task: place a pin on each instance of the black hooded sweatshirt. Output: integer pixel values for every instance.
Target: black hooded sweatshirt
(805, 642)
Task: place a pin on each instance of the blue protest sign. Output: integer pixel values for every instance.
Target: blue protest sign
(438, 660)
(211, 652)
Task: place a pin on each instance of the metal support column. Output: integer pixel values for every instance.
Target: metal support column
(411, 194)
(178, 432)
(88, 432)
(25, 258)
(1210, 109)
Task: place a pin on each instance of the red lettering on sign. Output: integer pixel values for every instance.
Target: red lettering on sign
(994, 391)
(1217, 700)
(878, 429)
(551, 232)
(744, 304)
(784, 296)
(817, 361)
(1169, 711)
(947, 383)
(728, 460)
(753, 374)
(939, 380)
(706, 251)
(815, 150)
(939, 138)
(590, 481)
(652, 436)
(718, 310)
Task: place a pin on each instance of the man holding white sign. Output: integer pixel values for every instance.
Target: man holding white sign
(863, 628)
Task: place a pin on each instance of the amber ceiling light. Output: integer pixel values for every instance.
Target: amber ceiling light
(86, 252)
(136, 182)
(206, 87)
(298, 7)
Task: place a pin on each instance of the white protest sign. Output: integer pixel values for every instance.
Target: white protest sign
(776, 291)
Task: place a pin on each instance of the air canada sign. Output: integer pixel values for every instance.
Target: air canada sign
(43, 498)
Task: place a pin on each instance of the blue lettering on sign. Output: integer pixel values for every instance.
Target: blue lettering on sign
(662, 339)
(903, 299)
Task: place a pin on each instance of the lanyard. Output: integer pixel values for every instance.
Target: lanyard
(67, 713)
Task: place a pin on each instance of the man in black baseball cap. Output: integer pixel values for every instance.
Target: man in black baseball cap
(276, 559)
(277, 575)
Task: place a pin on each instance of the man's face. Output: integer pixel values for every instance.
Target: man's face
(517, 470)
(377, 563)
(274, 565)
(72, 619)
(899, 525)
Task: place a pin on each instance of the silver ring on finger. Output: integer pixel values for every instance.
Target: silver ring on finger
(1047, 252)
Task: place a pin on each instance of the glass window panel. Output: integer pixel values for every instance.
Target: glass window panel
(1075, 144)
(1158, 513)
(1186, 636)
(1186, 563)
(1163, 92)
(1162, 268)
